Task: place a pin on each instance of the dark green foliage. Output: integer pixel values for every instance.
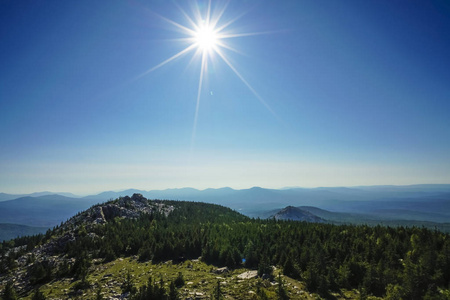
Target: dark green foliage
(40, 272)
(31, 259)
(82, 284)
(107, 253)
(81, 266)
(250, 255)
(394, 292)
(80, 270)
(217, 295)
(173, 292)
(281, 291)
(179, 281)
(146, 291)
(362, 294)
(261, 293)
(98, 293)
(38, 295)
(290, 268)
(145, 253)
(8, 264)
(128, 285)
(9, 293)
(63, 270)
(265, 270)
(160, 291)
(155, 291)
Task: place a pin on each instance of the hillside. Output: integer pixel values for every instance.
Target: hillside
(132, 247)
(297, 214)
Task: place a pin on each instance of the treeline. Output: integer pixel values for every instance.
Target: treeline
(408, 263)
(13, 249)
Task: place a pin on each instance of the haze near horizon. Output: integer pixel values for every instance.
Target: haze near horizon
(158, 94)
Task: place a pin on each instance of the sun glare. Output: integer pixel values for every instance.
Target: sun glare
(205, 37)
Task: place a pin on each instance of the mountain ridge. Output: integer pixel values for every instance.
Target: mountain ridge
(297, 214)
(420, 203)
(411, 188)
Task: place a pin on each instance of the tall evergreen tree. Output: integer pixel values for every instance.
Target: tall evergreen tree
(217, 292)
(173, 292)
(9, 292)
(281, 291)
(38, 295)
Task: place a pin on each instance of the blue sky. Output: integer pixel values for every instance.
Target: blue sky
(329, 93)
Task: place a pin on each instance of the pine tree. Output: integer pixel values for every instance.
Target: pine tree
(128, 286)
(160, 290)
(173, 293)
(179, 281)
(281, 292)
(9, 292)
(98, 294)
(261, 293)
(38, 295)
(217, 291)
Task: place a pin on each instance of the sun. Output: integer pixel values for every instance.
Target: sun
(206, 34)
(206, 38)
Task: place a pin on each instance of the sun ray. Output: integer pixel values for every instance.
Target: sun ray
(188, 18)
(186, 50)
(245, 82)
(223, 45)
(235, 35)
(216, 19)
(208, 13)
(231, 21)
(185, 29)
(197, 105)
(194, 57)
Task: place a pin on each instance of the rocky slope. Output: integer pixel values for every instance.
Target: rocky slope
(51, 254)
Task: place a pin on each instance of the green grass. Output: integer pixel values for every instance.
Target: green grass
(198, 276)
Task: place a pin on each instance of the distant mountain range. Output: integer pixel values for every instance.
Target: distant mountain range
(411, 204)
(6, 197)
(43, 211)
(338, 218)
(11, 231)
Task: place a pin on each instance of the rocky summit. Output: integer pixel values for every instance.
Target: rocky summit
(51, 253)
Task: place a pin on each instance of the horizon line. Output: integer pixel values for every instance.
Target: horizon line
(224, 187)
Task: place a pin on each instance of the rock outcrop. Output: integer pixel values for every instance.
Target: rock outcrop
(297, 214)
(81, 225)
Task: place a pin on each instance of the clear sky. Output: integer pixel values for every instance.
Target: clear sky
(297, 93)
